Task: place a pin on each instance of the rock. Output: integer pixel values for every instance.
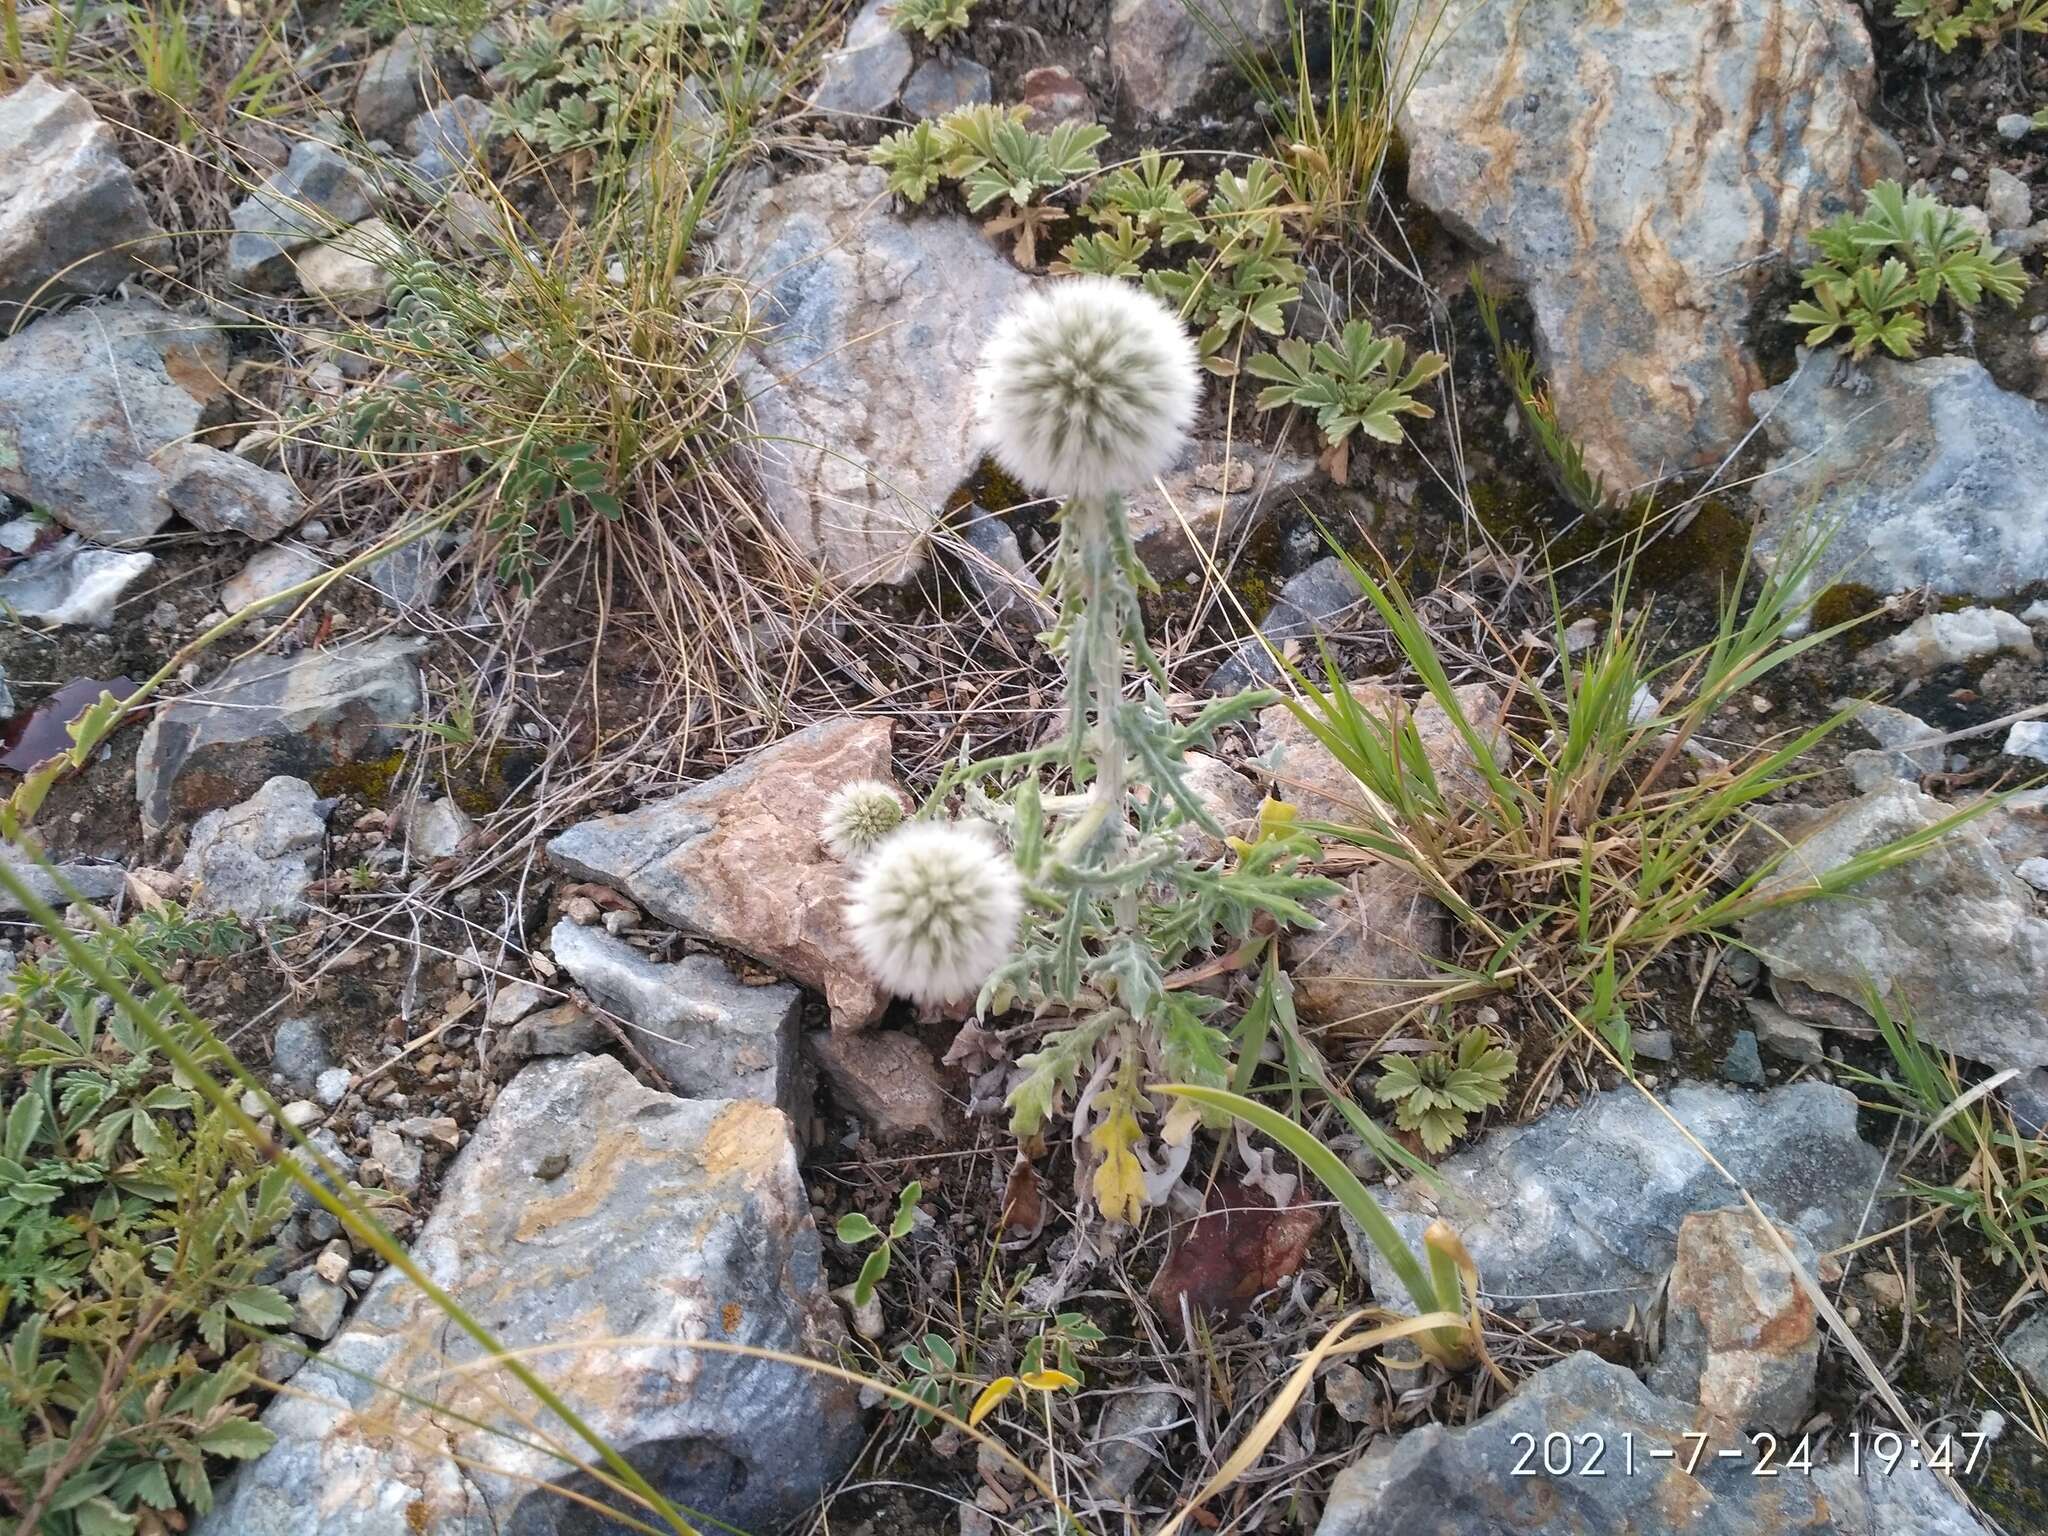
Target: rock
(888, 1079)
(2028, 738)
(72, 582)
(411, 576)
(996, 567)
(2014, 126)
(2027, 1347)
(71, 215)
(1781, 1034)
(863, 75)
(1577, 1212)
(871, 326)
(1203, 516)
(586, 1210)
(1168, 53)
(2033, 871)
(220, 492)
(354, 271)
(317, 194)
(256, 859)
(269, 572)
(1129, 1435)
(317, 713)
(437, 829)
(1950, 935)
(319, 1308)
(938, 86)
(1743, 1064)
(1740, 1337)
(1898, 756)
(70, 881)
(299, 1052)
(1051, 96)
(1643, 170)
(513, 1001)
(1931, 475)
(737, 859)
(1316, 599)
(1443, 1480)
(1306, 774)
(1952, 639)
(1652, 1044)
(707, 1032)
(1382, 947)
(402, 1161)
(86, 397)
(446, 140)
(393, 86)
(2007, 200)
(332, 1086)
(564, 1030)
(1229, 796)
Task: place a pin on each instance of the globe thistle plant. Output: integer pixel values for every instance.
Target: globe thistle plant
(934, 910)
(858, 816)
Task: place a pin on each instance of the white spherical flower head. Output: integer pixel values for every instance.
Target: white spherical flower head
(858, 816)
(934, 910)
(1087, 387)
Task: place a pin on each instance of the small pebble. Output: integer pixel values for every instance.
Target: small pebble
(301, 1113)
(2014, 126)
(331, 1087)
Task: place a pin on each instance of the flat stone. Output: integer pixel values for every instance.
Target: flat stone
(316, 195)
(1308, 775)
(354, 272)
(1381, 949)
(1644, 170)
(332, 1086)
(938, 86)
(2007, 200)
(309, 715)
(2014, 126)
(299, 1052)
(71, 214)
(2028, 738)
(513, 1001)
(1743, 1064)
(411, 576)
(2027, 1347)
(72, 583)
(737, 860)
(1051, 95)
(564, 1030)
(1781, 1034)
(88, 396)
(863, 74)
(1311, 602)
(220, 492)
(872, 325)
(602, 1226)
(1199, 516)
(393, 86)
(1950, 935)
(437, 829)
(707, 1032)
(319, 1308)
(403, 1162)
(1898, 754)
(256, 859)
(1167, 57)
(1931, 475)
(888, 1079)
(1130, 1435)
(269, 572)
(997, 570)
(1576, 1213)
(1434, 1479)
(71, 880)
(446, 140)
(1740, 1336)
(1953, 639)
(1231, 798)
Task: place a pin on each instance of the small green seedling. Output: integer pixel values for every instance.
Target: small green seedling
(1437, 1093)
(855, 1228)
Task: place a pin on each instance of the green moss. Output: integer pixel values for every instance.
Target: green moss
(1842, 603)
(369, 780)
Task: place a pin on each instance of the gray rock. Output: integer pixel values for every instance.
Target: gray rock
(1898, 755)
(393, 86)
(737, 860)
(585, 1210)
(1311, 602)
(1743, 1064)
(437, 829)
(257, 858)
(863, 75)
(2027, 1348)
(324, 1142)
(1382, 947)
(268, 573)
(1130, 1433)
(61, 883)
(1953, 639)
(513, 1001)
(354, 272)
(446, 140)
(314, 197)
(299, 1052)
(996, 567)
(1653, 1044)
(1167, 56)
(871, 325)
(1576, 1213)
(938, 86)
(319, 1308)
(2007, 200)
(402, 1161)
(707, 1032)
(1230, 797)
(332, 1086)
(1740, 1336)
(71, 215)
(2028, 738)
(1930, 473)
(412, 575)
(1201, 517)
(86, 397)
(2014, 126)
(887, 1078)
(304, 715)
(1434, 1479)
(564, 1030)
(2034, 871)
(1949, 935)
(1610, 158)
(1781, 1034)
(6, 697)
(72, 582)
(220, 492)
